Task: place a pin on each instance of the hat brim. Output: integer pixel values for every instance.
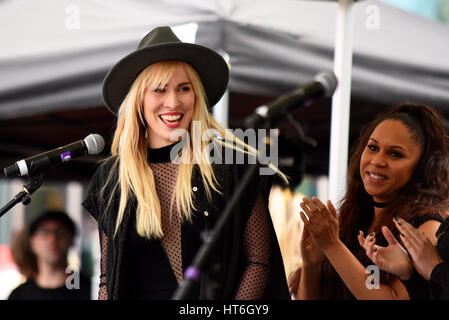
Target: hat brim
(211, 67)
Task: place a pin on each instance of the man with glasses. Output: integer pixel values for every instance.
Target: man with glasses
(42, 253)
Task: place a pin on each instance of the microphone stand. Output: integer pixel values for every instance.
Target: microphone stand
(261, 119)
(192, 274)
(24, 196)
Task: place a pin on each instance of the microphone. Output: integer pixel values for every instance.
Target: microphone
(92, 144)
(323, 86)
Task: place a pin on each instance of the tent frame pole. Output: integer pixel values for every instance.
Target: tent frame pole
(339, 137)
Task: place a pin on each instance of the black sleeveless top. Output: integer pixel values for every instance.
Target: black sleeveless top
(419, 288)
(440, 274)
(147, 273)
(146, 270)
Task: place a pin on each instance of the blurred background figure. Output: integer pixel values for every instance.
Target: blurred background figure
(9, 274)
(288, 225)
(40, 252)
(294, 146)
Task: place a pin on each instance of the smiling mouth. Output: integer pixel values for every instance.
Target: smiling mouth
(376, 177)
(171, 119)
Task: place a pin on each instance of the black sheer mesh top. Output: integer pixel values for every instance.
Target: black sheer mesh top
(152, 269)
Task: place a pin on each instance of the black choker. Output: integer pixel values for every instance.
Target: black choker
(380, 204)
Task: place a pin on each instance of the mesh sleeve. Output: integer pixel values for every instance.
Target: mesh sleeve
(103, 293)
(257, 247)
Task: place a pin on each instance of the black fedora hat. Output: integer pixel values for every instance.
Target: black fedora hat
(161, 44)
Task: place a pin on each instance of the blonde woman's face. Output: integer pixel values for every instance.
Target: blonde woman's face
(169, 108)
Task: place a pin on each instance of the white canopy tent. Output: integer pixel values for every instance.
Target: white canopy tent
(55, 54)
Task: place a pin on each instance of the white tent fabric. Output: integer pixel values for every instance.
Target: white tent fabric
(50, 59)
(55, 54)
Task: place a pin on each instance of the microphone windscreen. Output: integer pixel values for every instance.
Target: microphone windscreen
(94, 143)
(329, 81)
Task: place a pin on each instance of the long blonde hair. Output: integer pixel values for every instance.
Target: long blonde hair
(130, 145)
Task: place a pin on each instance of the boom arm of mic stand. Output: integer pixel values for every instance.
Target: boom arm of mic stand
(193, 272)
(24, 196)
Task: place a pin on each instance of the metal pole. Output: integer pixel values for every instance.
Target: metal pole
(341, 101)
(221, 110)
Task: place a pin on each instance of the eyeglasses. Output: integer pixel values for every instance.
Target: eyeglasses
(45, 232)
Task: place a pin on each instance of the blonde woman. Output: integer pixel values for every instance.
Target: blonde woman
(154, 196)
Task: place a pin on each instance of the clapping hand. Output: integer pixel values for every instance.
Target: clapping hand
(311, 254)
(422, 252)
(320, 221)
(392, 258)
